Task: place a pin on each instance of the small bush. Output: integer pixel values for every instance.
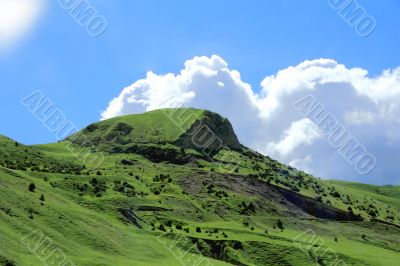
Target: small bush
(32, 187)
(280, 225)
(162, 228)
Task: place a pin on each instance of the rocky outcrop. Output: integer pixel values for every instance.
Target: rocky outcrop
(131, 217)
(316, 208)
(209, 134)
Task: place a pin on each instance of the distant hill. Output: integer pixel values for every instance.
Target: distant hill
(175, 186)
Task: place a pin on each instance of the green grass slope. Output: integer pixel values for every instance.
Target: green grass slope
(166, 127)
(14, 155)
(159, 126)
(242, 209)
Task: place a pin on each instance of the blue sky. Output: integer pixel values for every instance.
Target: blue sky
(81, 74)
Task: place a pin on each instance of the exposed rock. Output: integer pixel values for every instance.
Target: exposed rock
(209, 134)
(131, 217)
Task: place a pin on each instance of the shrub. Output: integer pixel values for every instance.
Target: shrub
(6, 262)
(279, 224)
(99, 186)
(32, 187)
(161, 227)
(178, 227)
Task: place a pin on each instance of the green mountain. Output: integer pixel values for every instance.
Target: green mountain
(175, 187)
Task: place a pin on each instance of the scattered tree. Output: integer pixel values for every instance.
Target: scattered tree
(32, 187)
(161, 227)
(178, 227)
(280, 224)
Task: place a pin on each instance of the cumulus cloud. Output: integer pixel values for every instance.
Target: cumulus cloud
(302, 163)
(17, 18)
(359, 117)
(267, 121)
(302, 132)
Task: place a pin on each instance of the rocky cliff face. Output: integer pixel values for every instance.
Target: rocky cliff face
(209, 134)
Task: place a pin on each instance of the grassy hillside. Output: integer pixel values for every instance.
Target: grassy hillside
(14, 155)
(157, 126)
(241, 209)
(165, 128)
(388, 194)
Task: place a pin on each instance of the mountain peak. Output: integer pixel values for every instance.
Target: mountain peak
(200, 130)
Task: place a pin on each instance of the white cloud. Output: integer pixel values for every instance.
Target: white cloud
(17, 18)
(300, 132)
(302, 163)
(359, 117)
(267, 120)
